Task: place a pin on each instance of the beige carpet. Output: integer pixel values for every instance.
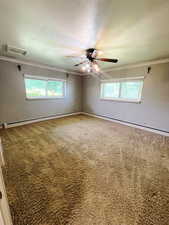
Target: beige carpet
(81, 170)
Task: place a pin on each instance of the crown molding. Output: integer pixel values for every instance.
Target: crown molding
(147, 63)
(42, 66)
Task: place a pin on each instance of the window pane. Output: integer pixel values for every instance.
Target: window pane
(110, 90)
(35, 88)
(55, 88)
(131, 89)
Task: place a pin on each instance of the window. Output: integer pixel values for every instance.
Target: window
(123, 89)
(37, 87)
(110, 90)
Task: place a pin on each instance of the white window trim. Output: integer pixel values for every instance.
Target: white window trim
(46, 79)
(119, 99)
(123, 79)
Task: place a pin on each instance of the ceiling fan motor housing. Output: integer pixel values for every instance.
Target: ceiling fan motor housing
(91, 54)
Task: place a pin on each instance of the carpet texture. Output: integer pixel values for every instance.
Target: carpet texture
(81, 170)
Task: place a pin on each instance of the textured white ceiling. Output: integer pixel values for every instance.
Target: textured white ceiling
(130, 30)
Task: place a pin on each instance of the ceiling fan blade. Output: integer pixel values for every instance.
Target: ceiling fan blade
(80, 63)
(107, 60)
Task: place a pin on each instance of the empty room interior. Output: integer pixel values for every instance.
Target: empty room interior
(84, 112)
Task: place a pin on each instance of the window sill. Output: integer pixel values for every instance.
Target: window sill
(43, 98)
(121, 100)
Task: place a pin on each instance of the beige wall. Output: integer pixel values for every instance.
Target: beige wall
(14, 106)
(154, 108)
(152, 112)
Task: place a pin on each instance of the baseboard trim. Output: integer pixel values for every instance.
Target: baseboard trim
(161, 132)
(21, 123)
(150, 129)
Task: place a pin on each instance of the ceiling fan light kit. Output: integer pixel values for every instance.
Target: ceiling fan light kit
(90, 67)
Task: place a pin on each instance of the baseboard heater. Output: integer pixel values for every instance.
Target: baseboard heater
(34, 120)
(152, 129)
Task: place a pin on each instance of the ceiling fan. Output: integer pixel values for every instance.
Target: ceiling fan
(90, 64)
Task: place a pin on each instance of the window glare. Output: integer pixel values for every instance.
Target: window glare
(35, 88)
(55, 88)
